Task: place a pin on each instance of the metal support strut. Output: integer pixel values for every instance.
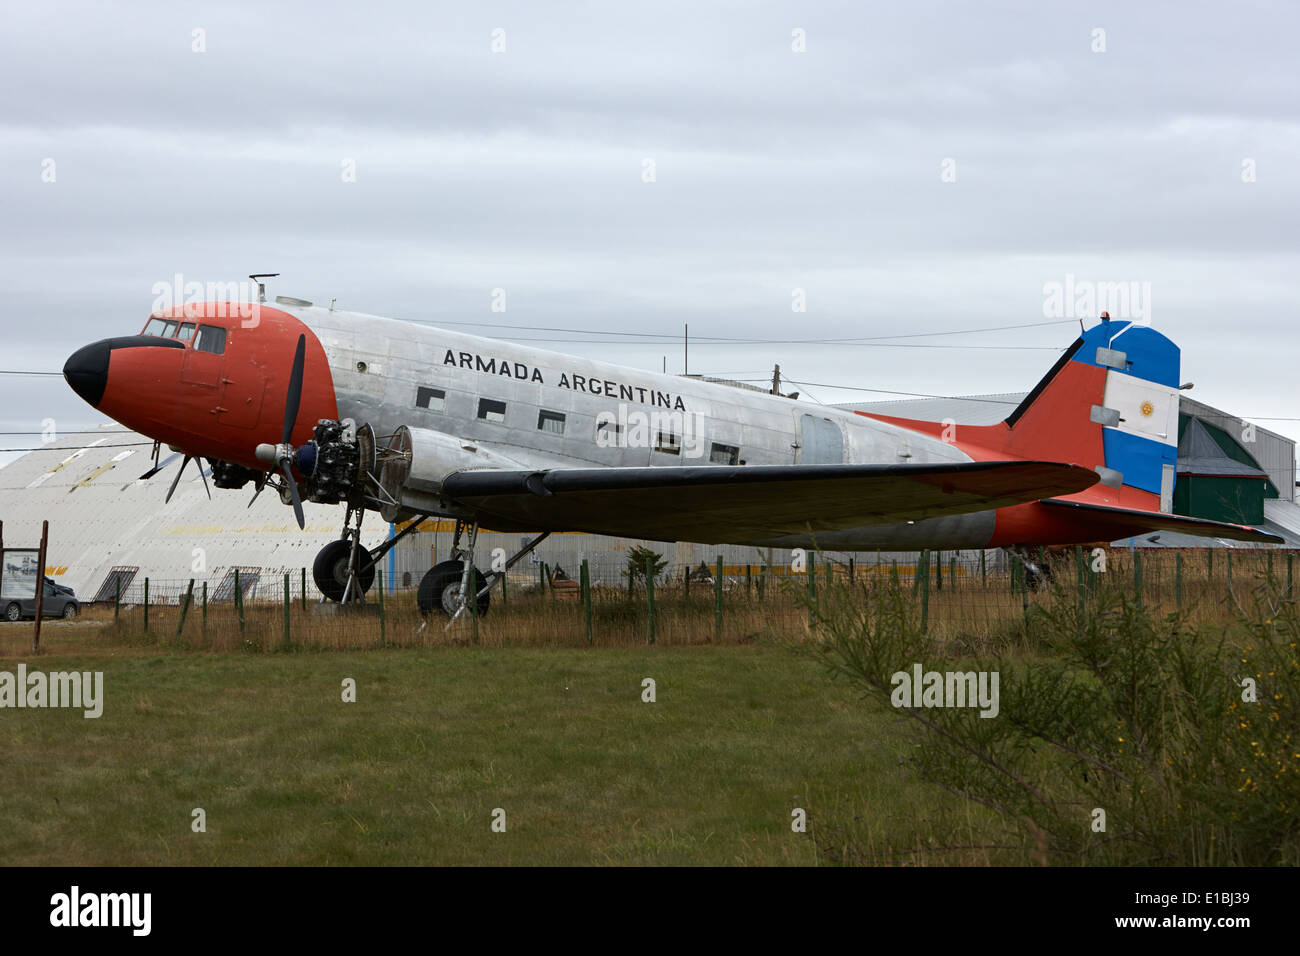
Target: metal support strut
(354, 565)
(523, 552)
(465, 555)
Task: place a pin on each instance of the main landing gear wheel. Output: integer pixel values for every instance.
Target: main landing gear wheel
(330, 572)
(440, 589)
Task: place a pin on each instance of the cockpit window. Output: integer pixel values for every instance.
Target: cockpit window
(187, 332)
(212, 338)
(156, 327)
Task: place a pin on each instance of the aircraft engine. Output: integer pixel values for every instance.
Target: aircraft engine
(416, 463)
(338, 459)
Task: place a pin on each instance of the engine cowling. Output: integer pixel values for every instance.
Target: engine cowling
(416, 463)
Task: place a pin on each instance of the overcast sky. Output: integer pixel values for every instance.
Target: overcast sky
(918, 167)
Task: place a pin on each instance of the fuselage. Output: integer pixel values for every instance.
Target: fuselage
(529, 406)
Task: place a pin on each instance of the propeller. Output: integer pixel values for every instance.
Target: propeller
(282, 456)
(177, 480)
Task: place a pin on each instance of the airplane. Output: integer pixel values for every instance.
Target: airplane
(413, 421)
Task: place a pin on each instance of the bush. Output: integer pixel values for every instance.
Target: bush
(1142, 718)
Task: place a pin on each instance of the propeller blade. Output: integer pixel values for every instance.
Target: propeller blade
(294, 396)
(261, 483)
(175, 481)
(293, 494)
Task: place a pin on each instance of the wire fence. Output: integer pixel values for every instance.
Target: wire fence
(954, 595)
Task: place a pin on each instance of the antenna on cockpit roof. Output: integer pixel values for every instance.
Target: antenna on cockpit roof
(261, 286)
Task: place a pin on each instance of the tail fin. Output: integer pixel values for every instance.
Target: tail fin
(1109, 403)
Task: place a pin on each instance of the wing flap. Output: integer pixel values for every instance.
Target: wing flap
(737, 504)
(1130, 521)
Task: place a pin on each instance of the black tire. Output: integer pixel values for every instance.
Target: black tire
(439, 590)
(69, 611)
(13, 612)
(330, 570)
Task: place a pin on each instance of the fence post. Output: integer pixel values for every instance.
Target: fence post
(925, 596)
(1209, 563)
(717, 601)
(1137, 576)
(984, 577)
(1178, 580)
(1078, 576)
(185, 607)
(287, 638)
(117, 596)
(687, 585)
(952, 571)
(304, 589)
(1024, 590)
(650, 593)
(383, 619)
(239, 601)
(1229, 557)
(850, 570)
(205, 607)
(749, 580)
(146, 605)
(586, 597)
(938, 570)
(812, 589)
(473, 604)
(42, 555)
(1288, 574)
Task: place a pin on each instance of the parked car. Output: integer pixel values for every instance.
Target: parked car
(60, 601)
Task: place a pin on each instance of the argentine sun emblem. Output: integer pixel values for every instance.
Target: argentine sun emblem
(1148, 409)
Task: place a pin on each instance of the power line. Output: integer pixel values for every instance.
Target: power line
(125, 444)
(886, 391)
(740, 341)
(71, 431)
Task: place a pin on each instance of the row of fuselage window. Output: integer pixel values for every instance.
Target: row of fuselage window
(607, 433)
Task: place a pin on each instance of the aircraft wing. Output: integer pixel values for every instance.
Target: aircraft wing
(1114, 523)
(717, 503)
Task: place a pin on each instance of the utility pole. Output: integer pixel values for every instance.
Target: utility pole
(686, 348)
(776, 380)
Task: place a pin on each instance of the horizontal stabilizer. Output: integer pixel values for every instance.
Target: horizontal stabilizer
(738, 504)
(1116, 523)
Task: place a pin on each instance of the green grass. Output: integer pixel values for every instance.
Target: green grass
(438, 738)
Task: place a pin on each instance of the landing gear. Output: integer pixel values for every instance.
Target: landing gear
(447, 586)
(440, 590)
(330, 571)
(344, 570)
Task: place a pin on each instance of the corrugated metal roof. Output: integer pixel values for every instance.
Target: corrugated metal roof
(102, 515)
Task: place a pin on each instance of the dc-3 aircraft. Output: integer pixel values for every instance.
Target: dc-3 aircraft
(408, 420)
